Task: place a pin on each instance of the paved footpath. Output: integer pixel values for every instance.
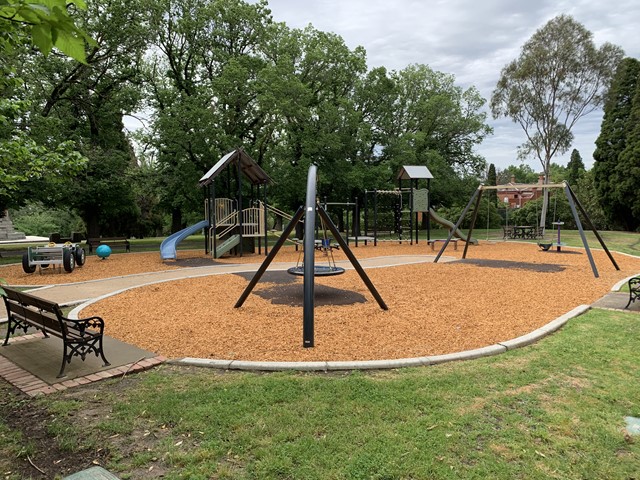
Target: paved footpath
(73, 293)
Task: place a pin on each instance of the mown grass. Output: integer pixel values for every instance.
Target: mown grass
(551, 410)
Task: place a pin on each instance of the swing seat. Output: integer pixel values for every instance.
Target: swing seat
(545, 246)
(318, 271)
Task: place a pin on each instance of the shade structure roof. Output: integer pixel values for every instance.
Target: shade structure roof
(246, 164)
(414, 172)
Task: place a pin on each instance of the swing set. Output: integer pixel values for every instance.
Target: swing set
(574, 204)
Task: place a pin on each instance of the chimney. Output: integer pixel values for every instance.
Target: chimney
(513, 178)
(541, 179)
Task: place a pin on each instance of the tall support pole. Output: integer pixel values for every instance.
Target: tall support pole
(473, 222)
(457, 225)
(266, 220)
(428, 209)
(592, 227)
(375, 217)
(309, 259)
(567, 192)
(240, 219)
(212, 222)
(354, 261)
(267, 261)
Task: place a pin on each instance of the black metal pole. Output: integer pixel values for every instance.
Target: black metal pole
(354, 261)
(267, 261)
(592, 227)
(428, 209)
(457, 225)
(375, 218)
(473, 223)
(239, 185)
(309, 260)
(266, 221)
(580, 230)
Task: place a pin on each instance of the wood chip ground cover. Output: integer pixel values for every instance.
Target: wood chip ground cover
(502, 291)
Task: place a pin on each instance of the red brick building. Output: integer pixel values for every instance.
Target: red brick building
(517, 194)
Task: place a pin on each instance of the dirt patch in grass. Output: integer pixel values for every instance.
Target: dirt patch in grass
(433, 308)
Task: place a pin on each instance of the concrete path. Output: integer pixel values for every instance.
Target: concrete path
(73, 293)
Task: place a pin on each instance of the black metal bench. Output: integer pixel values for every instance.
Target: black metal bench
(634, 290)
(79, 337)
(112, 242)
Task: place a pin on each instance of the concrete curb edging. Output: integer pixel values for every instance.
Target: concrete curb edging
(490, 350)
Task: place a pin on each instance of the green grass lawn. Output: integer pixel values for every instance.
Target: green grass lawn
(551, 410)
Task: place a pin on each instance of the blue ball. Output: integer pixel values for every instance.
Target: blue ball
(103, 251)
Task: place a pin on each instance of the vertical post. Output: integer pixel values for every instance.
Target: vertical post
(266, 220)
(375, 217)
(239, 185)
(214, 218)
(309, 265)
(356, 223)
(428, 209)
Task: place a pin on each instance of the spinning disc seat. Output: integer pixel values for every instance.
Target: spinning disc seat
(318, 270)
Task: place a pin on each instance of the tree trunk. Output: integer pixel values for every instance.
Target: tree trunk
(545, 204)
(176, 220)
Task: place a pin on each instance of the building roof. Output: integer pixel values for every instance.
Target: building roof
(248, 166)
(414, 172)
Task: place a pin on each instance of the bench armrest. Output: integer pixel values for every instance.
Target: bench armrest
(83, 324)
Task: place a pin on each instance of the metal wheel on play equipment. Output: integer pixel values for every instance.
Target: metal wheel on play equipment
(68, 260)
(81, 256)
(26, 265)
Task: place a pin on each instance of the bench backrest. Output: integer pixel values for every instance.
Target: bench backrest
(34, 310)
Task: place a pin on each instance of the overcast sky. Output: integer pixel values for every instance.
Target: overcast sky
(471, 39)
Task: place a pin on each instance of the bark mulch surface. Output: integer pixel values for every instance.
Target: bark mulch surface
(501, 291)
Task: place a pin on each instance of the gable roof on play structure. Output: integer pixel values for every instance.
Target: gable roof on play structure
(414, 172)
(246, 164)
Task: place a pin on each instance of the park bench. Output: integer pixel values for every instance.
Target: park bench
(432, 242)
(79, 337)
(112, 242)
(634, 290)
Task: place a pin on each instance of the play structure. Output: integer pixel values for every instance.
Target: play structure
(394, 215)
(230, 224)
(309, 269)
(574, 205)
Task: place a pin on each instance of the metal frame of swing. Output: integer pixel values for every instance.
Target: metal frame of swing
(574, 204)
(309, 211)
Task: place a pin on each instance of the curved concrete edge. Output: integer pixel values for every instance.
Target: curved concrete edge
(621, 283)
(488, 351)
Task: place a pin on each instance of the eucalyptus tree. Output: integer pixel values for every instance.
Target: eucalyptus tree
(559, 77)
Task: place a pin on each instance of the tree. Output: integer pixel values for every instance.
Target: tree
(23, 160)
(492, 179)
(612, 141)
(575, 168)
(559, 77)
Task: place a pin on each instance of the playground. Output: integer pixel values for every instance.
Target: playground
(499, 292)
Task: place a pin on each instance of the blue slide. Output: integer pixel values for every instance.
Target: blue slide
(169, 244)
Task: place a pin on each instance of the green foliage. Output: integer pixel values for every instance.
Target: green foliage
(489, 216)
(25, 161)
(616, 176)
(47, 23)
(575, 168)
(36, 218)
(522, 173)
(492, 180)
